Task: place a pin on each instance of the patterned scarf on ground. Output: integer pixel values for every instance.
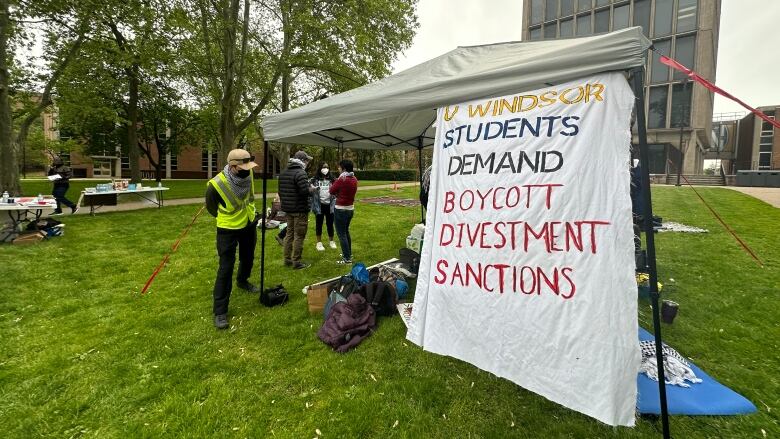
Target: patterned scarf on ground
(240, 186)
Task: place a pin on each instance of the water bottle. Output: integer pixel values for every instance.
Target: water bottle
(5, 197)
(40, 197)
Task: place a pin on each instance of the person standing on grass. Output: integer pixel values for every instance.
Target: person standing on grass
(230, 198)
(344, 188)
(61, 185)
(323, 204)
(294, 192)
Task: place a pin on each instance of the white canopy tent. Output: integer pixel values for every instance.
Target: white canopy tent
(398, 112)
(395, 112)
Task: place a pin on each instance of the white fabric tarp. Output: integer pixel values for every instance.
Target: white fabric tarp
(393, 112)
(527, 269)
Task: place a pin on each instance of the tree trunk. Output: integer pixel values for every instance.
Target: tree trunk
(9, 166)
(134, 152)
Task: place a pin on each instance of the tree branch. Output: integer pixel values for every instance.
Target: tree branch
(45, 100)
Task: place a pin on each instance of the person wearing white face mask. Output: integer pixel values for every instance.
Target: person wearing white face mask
(322, 204)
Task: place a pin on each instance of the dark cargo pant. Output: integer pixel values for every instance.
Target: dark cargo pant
(297, 225)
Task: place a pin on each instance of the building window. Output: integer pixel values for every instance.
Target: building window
(681, 105)
(204, 161)
(174, 161)
(602, 2)
(656, 112)
(601, 21)
(550, 30)
(567, 28)
(125, 160)
(537, 11)
(765, 145)
(584, 5)
(620, 17)
(101, 167)
(535, 33)
(583, 25)
(664, 13)
(721, 133)
(764, 160)
(642, 15)
(567, 8)
(656, 158)
(684, 53)
(686, 15)
(660, 72)
(551, 10)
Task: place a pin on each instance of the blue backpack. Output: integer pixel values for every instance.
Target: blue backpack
(360, 273)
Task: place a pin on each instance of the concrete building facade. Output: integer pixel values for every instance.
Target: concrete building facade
(679, 114)
(748, 143)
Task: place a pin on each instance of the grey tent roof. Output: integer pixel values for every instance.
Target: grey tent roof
(394, 112)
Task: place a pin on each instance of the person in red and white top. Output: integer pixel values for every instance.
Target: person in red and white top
(344, 188)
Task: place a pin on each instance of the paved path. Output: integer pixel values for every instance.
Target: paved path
(135, 205)
(769, 195)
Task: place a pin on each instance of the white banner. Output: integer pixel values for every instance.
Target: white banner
(528, 263)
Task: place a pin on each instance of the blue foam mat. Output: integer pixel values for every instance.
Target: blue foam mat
(706, 398)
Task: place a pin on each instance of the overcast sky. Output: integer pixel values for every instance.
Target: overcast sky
(748, 54)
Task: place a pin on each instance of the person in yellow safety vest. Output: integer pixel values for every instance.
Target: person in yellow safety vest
(230, 198)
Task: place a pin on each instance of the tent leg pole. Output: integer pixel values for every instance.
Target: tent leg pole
(638, 79)
(420, 166)
(262, 233)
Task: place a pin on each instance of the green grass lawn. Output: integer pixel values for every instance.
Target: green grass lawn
(85, 355)
(178, 188)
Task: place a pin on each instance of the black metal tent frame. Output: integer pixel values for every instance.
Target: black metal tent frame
(637, 84)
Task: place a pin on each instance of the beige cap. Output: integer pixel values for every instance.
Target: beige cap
(241, 158)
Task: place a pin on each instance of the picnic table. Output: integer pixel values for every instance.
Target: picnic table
(20, 210)
(95, 200)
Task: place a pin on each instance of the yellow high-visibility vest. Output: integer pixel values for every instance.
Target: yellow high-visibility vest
(237, 212)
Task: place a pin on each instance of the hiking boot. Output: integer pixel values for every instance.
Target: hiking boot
(301, 265)
(280, 240)
(288, 263)
(333, 245)
(221, 322)
(246, 286)
(74, 210)
(320, 247)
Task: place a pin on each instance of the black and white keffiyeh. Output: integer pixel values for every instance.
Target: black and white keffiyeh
(239, 185)
(677, 370)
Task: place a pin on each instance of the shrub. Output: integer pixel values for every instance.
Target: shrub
(387, 174)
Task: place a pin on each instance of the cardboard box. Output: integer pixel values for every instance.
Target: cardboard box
(29, 238)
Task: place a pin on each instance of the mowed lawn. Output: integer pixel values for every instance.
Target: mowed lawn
(178, 188)
(83, 354)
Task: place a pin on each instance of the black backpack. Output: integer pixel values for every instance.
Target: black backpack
(274, 296)
(381, 296)
(345, 286)
(410, 258)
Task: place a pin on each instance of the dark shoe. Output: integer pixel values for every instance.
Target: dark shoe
(344, 261)
(288, 263)
(301, 265)
(221, 322)
(280, 240)
(56, 213)
(246, 286)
